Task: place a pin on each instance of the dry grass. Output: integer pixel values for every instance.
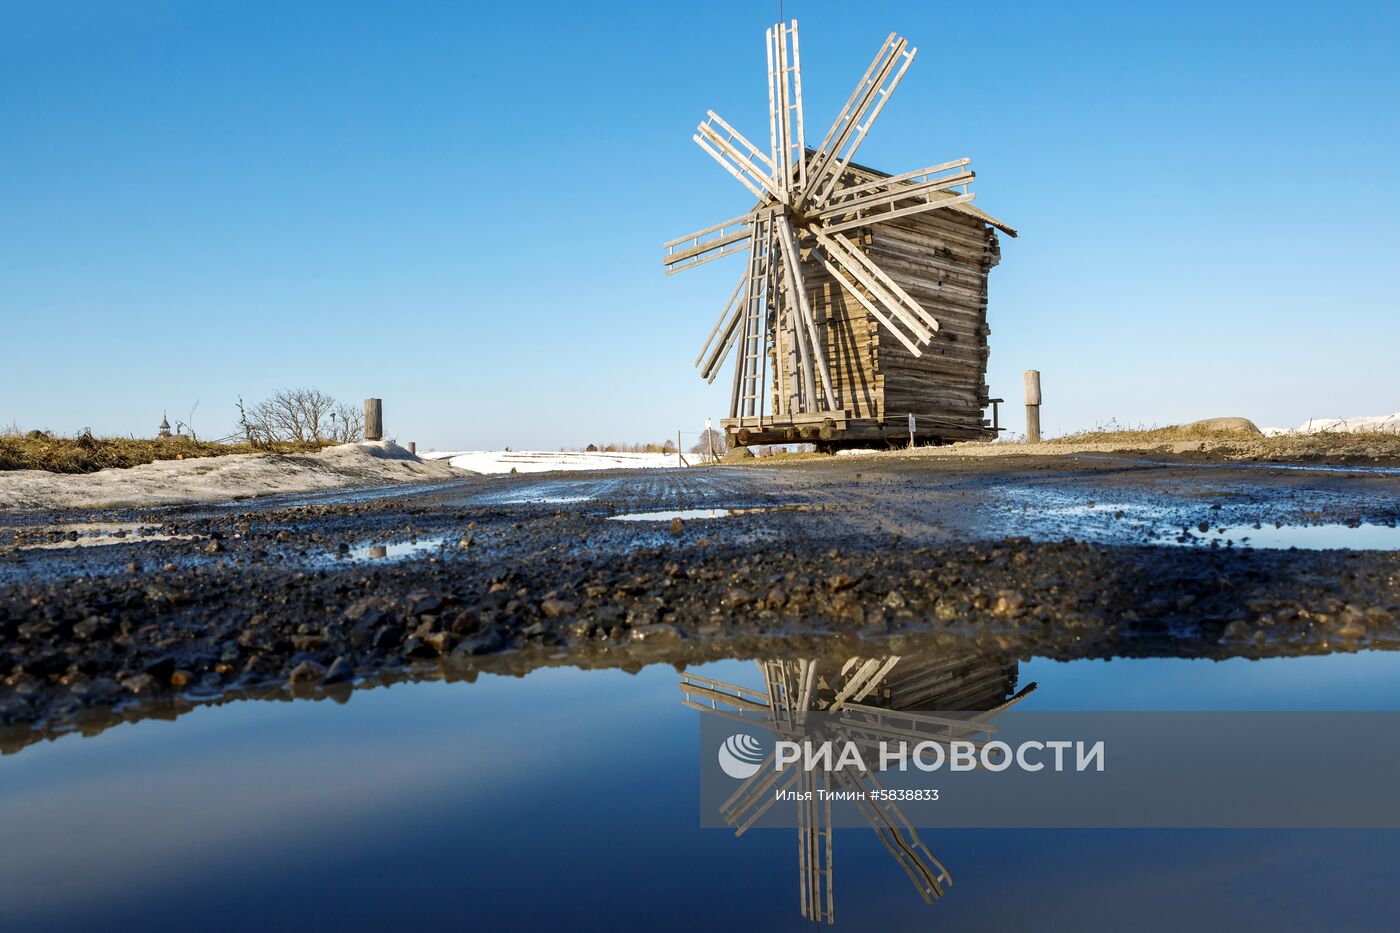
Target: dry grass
(86, 454)
(1375, 443)
(1150, 436)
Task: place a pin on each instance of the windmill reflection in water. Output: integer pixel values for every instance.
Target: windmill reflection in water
(865, 701)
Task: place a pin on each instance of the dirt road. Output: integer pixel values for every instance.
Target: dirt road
(112, 614)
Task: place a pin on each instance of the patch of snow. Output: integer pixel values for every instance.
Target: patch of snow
(545, 461)
(219, 479)
(1388, 424)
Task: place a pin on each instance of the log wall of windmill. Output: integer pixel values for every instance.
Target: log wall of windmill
(942, 259)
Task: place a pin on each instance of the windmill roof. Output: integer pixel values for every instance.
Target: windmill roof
(966, 207)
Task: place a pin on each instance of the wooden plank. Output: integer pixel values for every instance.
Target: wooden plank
(885, 216)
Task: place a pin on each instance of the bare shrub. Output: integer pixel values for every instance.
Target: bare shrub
(300, 415)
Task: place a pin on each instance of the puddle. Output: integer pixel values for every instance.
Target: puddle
(565, 756)
(1334, 537)
(688, 514)
(396, 550)
(684, 514)
(546, 500)
(1218, 522)
(98, 534)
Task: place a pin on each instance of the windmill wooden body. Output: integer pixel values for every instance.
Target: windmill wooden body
(864, 296)
(867, 700)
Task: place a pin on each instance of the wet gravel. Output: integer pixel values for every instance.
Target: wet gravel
(1053, 557)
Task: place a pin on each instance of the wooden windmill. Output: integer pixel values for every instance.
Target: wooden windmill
(864, 296)
(867, 700)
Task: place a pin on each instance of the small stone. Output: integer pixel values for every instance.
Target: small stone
(419, 650)
(88, 628)
(677, 526)
(181, 678)
(554, 608)
(441, 642)
(160, 668)
(1237, 631)
(659, 632)
(484, 642)
(340, 671)
(141, 684)
(1010, 603)
(840, 581)
(421, 601)
(307, 672)
(214, 547)
(894, 600)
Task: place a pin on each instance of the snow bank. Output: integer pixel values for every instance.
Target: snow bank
(544, 461)
(1388, 424)
(219, 479)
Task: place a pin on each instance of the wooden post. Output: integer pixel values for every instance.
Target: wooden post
(374, 419)
(1032, 379)
(413, 448)
(680, 461)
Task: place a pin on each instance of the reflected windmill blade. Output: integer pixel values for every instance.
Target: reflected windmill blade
(749, 803)
(791, 262)
(702, 246)
(815, 866)
(866, 678)
(858, 263)
(883, 93)
(899, 837)
(725, 327)
(831, 141)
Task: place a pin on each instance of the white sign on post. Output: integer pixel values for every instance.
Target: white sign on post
(911, 429)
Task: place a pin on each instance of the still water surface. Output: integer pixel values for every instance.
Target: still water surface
(568, 799)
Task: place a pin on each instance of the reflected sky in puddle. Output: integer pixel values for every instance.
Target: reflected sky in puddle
(568, 799)
(101, 534)
(1051, 513)
(396, 550)
(546, 500)
(666, 516)
(1303, 537)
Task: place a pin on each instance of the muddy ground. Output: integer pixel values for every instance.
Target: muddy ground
(107, 616)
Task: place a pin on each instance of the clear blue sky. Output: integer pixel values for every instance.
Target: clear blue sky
(460, 207)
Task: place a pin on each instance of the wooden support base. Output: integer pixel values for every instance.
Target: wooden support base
(836, 429)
